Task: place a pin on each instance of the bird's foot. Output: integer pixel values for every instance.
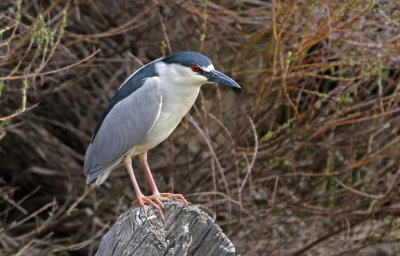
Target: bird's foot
(166, 195)
(142, 199)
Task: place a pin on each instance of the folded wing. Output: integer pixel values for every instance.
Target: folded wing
(125, 126)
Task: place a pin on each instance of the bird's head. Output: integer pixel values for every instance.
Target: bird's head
(192, 68)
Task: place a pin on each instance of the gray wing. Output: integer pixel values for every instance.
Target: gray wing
(125, 126)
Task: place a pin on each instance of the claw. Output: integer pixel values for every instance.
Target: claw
(149, 199)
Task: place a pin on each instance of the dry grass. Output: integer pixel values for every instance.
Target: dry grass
(304, 160)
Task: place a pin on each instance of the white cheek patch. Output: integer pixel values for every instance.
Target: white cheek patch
(208, 68)
(178, 75)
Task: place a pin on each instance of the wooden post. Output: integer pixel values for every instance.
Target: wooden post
(185, 231)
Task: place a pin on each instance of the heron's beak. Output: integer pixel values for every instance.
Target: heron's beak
(215, 76)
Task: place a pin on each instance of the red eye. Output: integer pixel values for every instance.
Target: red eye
(195, 68)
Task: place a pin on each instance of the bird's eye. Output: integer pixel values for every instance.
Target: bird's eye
(195, 68)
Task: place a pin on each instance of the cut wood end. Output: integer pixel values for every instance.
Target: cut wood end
(185, 231)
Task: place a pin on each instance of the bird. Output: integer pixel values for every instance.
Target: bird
(143, 112)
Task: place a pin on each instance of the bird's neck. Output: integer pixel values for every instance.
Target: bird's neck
(181, 94)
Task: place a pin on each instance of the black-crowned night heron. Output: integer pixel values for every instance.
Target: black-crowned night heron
(143, 112)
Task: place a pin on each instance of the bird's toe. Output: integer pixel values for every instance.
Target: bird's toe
(149, 200)
(167, 195)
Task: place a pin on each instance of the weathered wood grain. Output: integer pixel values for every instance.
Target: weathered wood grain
(185, 231)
